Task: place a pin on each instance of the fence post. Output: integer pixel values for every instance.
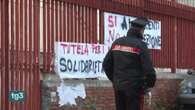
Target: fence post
(174, 67)
(6, 26)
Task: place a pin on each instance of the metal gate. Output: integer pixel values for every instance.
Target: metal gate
(25, 33)
(19, 53)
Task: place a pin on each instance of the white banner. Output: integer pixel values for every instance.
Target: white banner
(116, 26)
(79, 60)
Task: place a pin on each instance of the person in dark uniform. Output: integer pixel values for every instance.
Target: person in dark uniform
(129, 67)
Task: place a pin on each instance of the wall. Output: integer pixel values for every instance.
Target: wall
(100, 94)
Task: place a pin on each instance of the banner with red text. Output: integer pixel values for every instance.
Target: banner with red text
(116, 25)
(79, 60)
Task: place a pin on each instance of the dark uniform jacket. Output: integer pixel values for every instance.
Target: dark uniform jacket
(128, 64)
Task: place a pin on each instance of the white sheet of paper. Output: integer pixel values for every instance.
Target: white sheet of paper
(69, 92)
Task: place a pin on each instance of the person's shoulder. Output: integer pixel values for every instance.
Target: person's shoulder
(138, 41)
(144, 45)
(120, 39)
(141, 44)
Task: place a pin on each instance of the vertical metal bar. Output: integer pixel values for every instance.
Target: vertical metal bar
(193, 39)
(15, 55)
(167, 26)
(1, 58)
(21, 57)
(170, 41)
(17, 48)
(6, 51)
(79, 35)
(101, 26)
(44, 35)
(190, 57)
(52, 29)
(167, 41)
(48, 36)
(75, 23)
(56, 16)
(60, 20)
(68, 22)
(12, 58)
(187, 49)
(65, 19)
(87, 26)
(82, 24)
(179, 40)
(90, 27)
(71, 22)
(182, 39)
(3, 103)
(36, 54)
(191, 42)
(26, 56)
(30, 56)
(6, 35)
(95, 25)
(62, 23)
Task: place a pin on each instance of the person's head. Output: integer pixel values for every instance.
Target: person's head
(137, 26)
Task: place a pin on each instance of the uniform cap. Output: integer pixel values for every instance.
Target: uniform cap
(140, 22)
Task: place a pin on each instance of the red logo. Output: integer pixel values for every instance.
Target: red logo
(126, 49)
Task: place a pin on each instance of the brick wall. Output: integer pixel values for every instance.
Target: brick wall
(100, 95)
